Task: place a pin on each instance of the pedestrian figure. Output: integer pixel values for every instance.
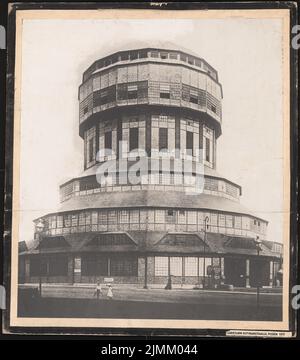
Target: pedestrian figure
(109, 292)
(98, 290)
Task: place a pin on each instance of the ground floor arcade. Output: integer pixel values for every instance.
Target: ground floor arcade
(150, 268)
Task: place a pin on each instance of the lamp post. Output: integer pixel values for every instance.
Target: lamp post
(206, 220)
(257, 243)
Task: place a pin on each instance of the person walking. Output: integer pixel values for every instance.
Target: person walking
(98, 290)
(109, 292)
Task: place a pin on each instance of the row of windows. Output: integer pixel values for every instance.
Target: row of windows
(194, 141)
(99, 265)
(91, 265)
(49, 266)
(183, 266)
(152, 92)
(175, 182)
(142, 54)
(138, 219)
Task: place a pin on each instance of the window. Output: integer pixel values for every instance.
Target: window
(108, 140)
(134, 217)
(222, 220)
(133, 55)
(102, 218)
(91, 149)
(164, 55)
(159, 216)
(189, 142)
(74, 220)
(193, 96)
(124, 56)
(59, 221)
(154, 54)
(176, 266)
(192, 217)
(143, 54)
(171, 217)
(191, 60)
(173, 56)
(161, 266)
(124, 217)
(123, 266)
(92, 264)
(254, 222)
(85, 110)
(207, 150)
(67, 220)
(163, 138)
(229, 222)
(133, 138)
(38, 266)
(132, 91)
(182, 57)
(58, 265)
(164, 91)
(112, 217)
(190, 266)
(181, 217)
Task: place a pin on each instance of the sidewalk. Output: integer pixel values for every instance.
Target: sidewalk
(154, 287)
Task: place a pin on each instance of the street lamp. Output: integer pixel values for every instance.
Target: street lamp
(206, 220)
(257, 243)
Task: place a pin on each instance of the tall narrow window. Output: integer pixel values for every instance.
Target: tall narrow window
(189, 142)
(108, 140)
(133, 138)
(163, 138)
(91, 150)
(207, 149)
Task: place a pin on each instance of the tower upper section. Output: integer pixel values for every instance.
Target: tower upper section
(151, 98)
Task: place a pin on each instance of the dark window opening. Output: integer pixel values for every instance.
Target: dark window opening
(133, 138)
(86, 109)
(92, 265)
(58, 266)
(165, 95)
(91, 149)
(108, 140)
(191, 61)
(123, 266)
(182, 57)
(198, 63)
(132, 94)
(143, 54)
(207, 149)
(213, 108)
(133, 55)
(190, 142)
(163, 138)
(193, 99)
(124, 56)
(164, 55)
(38, 266)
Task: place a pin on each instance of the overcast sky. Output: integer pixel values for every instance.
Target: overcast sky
(245, 52)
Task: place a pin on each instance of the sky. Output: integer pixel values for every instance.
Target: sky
(245, 52)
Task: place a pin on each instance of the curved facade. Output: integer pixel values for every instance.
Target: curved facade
(160, 108)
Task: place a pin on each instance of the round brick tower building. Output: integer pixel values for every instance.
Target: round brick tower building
(160, 107)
